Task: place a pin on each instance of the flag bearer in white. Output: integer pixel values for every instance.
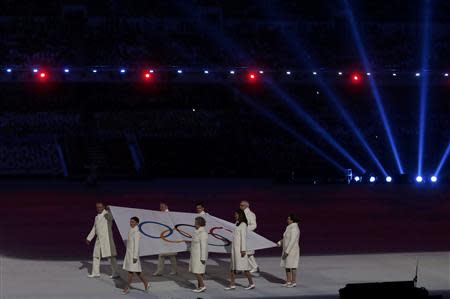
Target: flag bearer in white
(163, 207)
(291, 250)
(104, 244)
(131, 262)
(251, 218)
(239, 258)
(199, 253)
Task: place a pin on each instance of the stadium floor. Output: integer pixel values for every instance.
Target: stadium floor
(319, 277)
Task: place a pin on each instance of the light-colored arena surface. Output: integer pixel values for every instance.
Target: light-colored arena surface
(320, 277)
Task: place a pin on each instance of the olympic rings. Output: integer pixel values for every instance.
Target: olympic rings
(169, 231)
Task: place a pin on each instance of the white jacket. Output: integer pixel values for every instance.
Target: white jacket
(251, 219)
(239, 244)
(199, 251)
(134, 236)
(290, 245)
(104, 245)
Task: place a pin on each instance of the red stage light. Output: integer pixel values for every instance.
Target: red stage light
(356, 78)
(42, 75)
(148, 76)
(252, 76)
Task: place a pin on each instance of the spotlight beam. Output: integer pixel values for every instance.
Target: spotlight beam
(302, 114)
(280, 123)
(305, 58)
(442, 161)
(373, 85)
(424, 83)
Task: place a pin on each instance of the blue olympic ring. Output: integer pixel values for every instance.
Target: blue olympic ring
(153, 237)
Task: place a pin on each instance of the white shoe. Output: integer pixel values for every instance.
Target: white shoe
(250, 287)
(200, 290)
(147, 288)
(114, 276)
(94, 275)
(173, 273)
(254, 270)
(124, 292)
(286, 285)
(291, 285)
(157, 274)
(230, 288)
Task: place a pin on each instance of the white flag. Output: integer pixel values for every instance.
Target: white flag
(164, 232)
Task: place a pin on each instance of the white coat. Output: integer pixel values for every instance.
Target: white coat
(239, 244)
(251, 219)
(199, 251)
(104, 244)
(132, 251)
(290, 245)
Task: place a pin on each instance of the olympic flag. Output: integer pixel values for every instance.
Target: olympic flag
(163, 232)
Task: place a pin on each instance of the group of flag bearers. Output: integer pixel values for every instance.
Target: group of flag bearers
(242, 259)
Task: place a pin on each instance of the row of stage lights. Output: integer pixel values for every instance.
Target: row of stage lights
(252, 75)
(388, 179)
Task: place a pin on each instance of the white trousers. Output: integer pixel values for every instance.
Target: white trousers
(96, 265)
(252, 262)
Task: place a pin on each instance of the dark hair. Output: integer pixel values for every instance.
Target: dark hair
(100, 202)
(200, 220)
(135, 219)
(294, 218)
(242, 217)
(200, 204)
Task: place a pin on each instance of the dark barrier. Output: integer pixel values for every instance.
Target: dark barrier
(397, 289)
